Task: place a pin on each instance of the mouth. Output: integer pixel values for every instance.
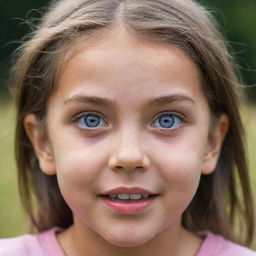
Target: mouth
(129, 198)
(129, 206)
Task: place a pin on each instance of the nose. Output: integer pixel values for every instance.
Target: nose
(129, 155)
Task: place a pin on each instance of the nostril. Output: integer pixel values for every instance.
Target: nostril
(129, 169)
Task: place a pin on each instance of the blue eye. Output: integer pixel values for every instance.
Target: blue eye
(90, 121)
(168, 121)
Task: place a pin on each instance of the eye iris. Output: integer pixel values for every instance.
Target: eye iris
(91, 120)
(167, 121)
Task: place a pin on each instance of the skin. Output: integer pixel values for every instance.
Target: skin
(128, 150)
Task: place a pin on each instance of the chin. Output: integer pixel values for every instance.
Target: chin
(128, 241)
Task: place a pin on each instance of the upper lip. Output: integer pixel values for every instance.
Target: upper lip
(126, 190)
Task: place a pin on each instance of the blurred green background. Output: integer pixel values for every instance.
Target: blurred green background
(237, 20)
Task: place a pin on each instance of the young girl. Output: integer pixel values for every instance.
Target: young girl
(128, 134)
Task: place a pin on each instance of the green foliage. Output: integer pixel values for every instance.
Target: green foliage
(13, 26)
(237, 20)
(12, 220)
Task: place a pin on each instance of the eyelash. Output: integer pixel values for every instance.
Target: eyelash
(174, 115)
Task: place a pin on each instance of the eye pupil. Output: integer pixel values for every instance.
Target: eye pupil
(167, 121)
(91, 120)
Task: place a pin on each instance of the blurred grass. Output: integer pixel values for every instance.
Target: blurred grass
(12, 218)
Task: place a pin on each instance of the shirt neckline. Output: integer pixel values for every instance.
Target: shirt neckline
(49, 242)
(209, 244)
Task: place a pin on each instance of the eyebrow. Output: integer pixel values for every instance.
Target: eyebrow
(106, 102)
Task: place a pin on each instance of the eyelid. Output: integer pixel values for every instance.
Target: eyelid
(83, 113)
(181, 116)
(177, 114)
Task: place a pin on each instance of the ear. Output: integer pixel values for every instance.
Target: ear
(40, 144)
(215, 139)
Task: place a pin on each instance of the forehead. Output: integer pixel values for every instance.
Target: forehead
(120, 63)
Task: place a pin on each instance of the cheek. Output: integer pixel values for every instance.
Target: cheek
(183, 175)
(181, 182)
(78, 169)
(76, 158)
(181, 166)
(77, 178)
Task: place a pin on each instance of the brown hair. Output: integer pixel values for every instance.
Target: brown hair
(219, 203)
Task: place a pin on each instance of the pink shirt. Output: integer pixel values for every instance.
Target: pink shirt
(46, 244)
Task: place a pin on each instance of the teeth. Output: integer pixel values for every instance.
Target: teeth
(128, 196)
(123, 196)
(135, 196)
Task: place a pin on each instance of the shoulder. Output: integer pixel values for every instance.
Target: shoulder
(22, 245)
(25, 245)
(218, 245)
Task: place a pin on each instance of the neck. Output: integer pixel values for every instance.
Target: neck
(80, 240)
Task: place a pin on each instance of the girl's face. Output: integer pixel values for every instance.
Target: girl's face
(149, 127)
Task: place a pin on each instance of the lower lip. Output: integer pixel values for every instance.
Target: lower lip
(129, 207)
